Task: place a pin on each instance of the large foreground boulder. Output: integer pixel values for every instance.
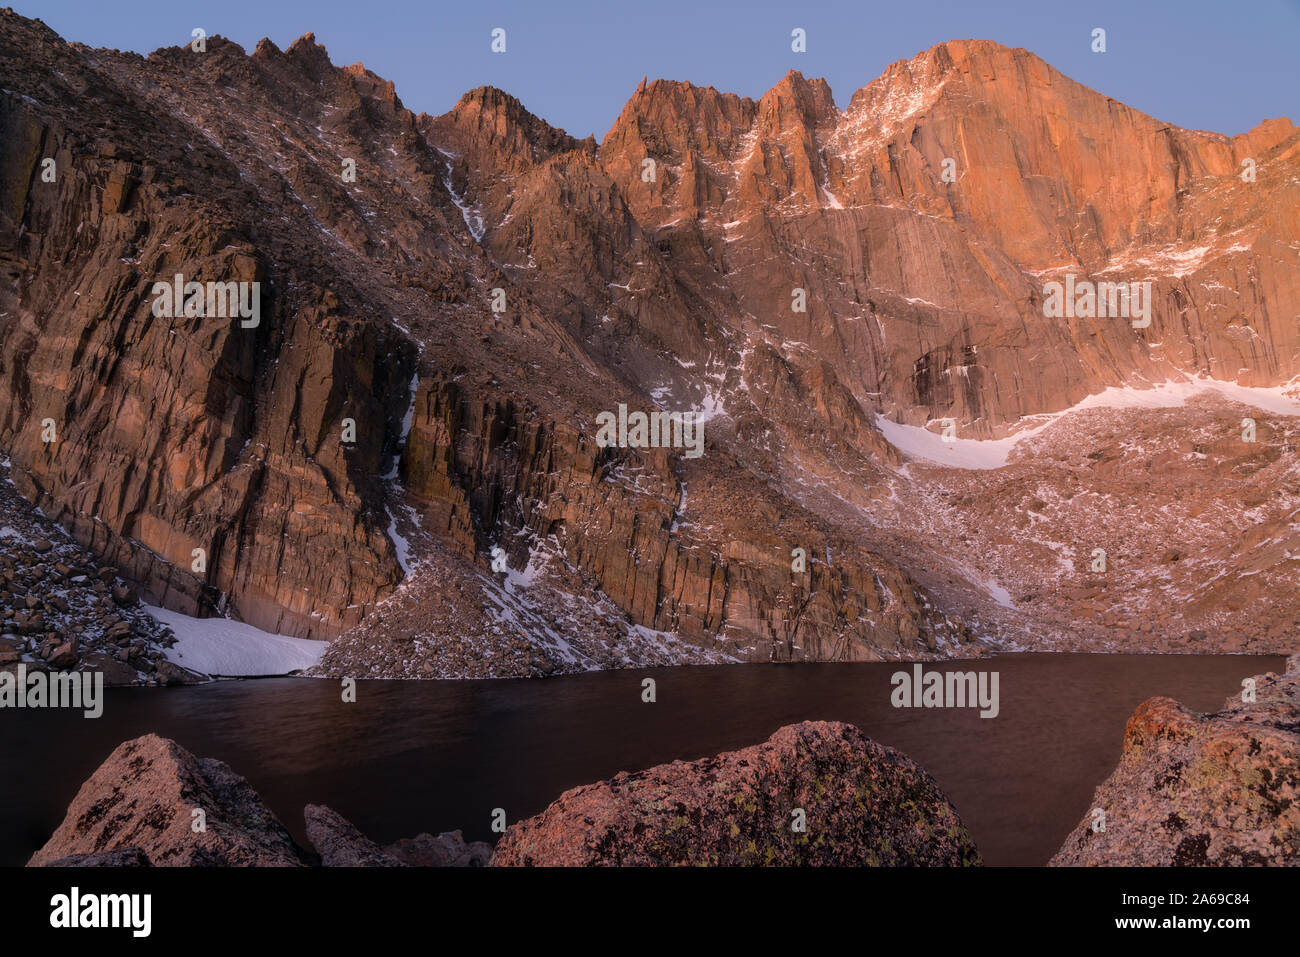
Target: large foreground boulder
(145, 796)
(861, 804)
(1202, 789)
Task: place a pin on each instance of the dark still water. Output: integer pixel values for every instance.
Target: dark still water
(437, 755)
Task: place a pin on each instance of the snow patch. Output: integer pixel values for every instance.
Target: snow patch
(709, 409)
(400, 543)
(962, 453)
(227, 648)
(473, 218)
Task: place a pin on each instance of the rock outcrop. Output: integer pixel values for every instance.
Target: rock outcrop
(151, 436)
(817, 793)
(340, 844)
(151, 795)
(1201, 790)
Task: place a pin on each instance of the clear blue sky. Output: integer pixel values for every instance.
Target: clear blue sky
(1206, 64)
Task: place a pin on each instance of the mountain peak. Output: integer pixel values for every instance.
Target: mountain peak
(489, 118)
(305, 43)
(266, 49)
(796, 99)
(312, 55)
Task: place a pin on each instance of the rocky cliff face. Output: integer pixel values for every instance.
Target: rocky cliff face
(402, 453)
(923, 220)
(171, 435)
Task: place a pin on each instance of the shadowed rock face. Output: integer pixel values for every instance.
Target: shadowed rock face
(1199, 790)
(121, 857)
(339, 843)
(864, 804)
(476, 429)
(182, 433)
(143, 798)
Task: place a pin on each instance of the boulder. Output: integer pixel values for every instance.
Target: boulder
(63, 655)
(170, 673)
(339, 843)
(125, 596)
(144, 796)
(862, 803)
(1194, 789)
(116, 673)
(449, 849)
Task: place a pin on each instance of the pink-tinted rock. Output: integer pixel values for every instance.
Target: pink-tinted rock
(1195, 790)
(863, 804)
(144, 796)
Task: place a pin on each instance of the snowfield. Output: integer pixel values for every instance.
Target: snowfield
(917, 442)
(226, 648)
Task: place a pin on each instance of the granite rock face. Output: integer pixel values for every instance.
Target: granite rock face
(1202, 790)
(143, 798)
(863, 804)
(175, 434)
(925, 290)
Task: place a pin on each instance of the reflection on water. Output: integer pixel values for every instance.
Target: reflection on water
(437, 755)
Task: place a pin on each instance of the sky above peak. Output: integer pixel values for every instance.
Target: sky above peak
(1201, 64)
